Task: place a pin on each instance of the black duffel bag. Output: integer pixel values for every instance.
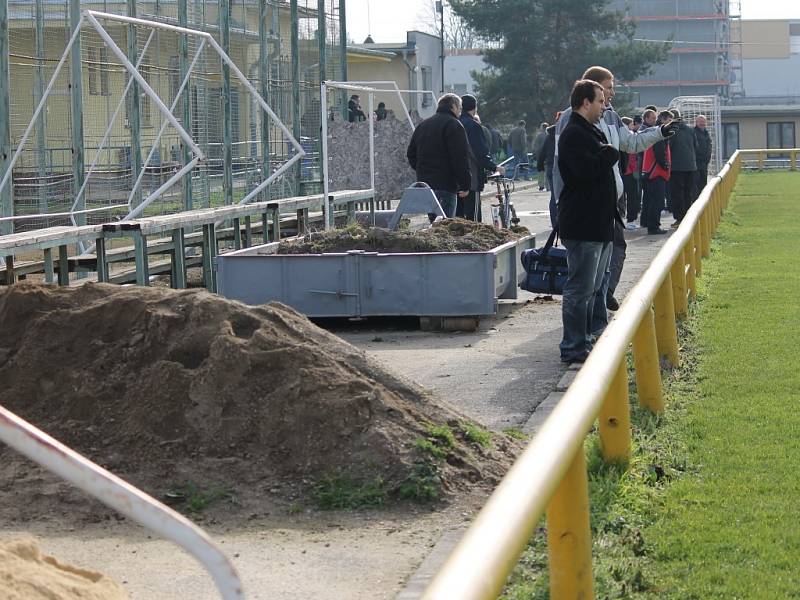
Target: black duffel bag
(545, 268)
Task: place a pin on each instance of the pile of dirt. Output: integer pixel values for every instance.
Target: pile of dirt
(446, 235)
(184, 390)
(27, 574)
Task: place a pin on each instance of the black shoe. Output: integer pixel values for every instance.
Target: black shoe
(580, 359)
(656, 231)
(611, 302)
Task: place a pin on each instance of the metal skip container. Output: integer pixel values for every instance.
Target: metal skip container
(360, 283)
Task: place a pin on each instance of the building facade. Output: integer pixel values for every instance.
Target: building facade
(767, 115)
(701, 61)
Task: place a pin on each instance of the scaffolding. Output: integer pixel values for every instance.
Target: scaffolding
(284, 48)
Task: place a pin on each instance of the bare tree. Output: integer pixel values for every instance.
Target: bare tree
(457, 35)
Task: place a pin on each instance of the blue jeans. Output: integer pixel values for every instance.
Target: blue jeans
(448, 201)
(587, 263)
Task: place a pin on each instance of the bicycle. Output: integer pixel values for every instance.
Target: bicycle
(504, 215)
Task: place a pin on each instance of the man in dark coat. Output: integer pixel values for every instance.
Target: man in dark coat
(587, 210)
(703, 147)
(439, 153)
(544, 163)
(480, 161)
(684, 164)
(354, 112)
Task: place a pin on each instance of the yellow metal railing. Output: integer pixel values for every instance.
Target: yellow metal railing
(550, 476)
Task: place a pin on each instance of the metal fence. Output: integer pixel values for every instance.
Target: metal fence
(550, 477)
(275, 43)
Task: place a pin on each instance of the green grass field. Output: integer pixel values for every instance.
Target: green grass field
(709, 506)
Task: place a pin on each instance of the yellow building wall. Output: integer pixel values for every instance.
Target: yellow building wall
(396, 71)
(753, 130)
(765, 39)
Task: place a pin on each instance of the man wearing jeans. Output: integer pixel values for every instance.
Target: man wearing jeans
(439, 153)
(587, 210)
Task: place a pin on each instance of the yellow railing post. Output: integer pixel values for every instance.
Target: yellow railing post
(678, 277)
(647, 365)
(793, 160)
(760, 161)
(615, 419)
(698, 250)
(666, 327)
(569, 538)
(705, 233)
(690, 270)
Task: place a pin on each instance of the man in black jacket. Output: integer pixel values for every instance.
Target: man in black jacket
(480, 161)
(703, 148)
(587, 209)
(684, 165)
(544, 163)
(439, 153)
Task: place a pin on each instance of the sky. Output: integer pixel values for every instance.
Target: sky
(389, 19)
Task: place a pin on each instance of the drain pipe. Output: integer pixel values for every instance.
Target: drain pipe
(412, 82)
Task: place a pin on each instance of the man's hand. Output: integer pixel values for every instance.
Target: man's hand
(463, 194)
(669, 130)
(501, 169)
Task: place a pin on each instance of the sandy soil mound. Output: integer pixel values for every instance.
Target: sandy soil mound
(27, 574)
(446, 235)
(175, 388)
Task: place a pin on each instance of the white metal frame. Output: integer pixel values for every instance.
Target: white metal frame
(713, 103)
(92, 18)
(123, 497)
(361, 86)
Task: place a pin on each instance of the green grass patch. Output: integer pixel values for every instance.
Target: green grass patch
(515, 434)
(340, 491)
(194, 499)
(476, 434)
(441, 435)
(706, 508)
(423, 484)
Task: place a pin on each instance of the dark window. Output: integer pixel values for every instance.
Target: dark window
(730, 138)
(104, 70)
(780, 135)
(92, 56)
(427, 84)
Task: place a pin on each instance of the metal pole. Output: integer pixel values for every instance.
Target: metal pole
(134, 114)
(263, 75)
(227, 154)
(186, 106)
(6, 197)
(441, 30)
(322, 34)
(324, 156)
(343, 53)
(371, 107)
(295, 49)
(76, 87)
(41, 151)
(569, 537)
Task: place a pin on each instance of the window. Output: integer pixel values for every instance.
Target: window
(98, 71)
(780, 135)
(145, 103)
(92, 54)
(730, 138)
(427, 84)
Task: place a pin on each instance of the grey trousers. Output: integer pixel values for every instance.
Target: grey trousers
(617, 257)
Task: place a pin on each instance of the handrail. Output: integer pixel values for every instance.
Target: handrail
(550, 476)
(122, 496)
